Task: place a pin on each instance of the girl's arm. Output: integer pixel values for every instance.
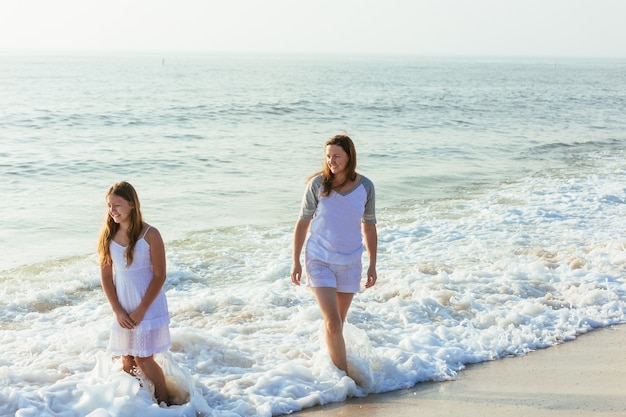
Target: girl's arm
(371, 246)
(299, 236)
(157, 257)
(108, 286)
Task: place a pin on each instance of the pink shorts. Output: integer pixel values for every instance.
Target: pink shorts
(345, 278)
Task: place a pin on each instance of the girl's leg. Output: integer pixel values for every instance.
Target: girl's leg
(129, 365)
(155, 374)
(334, 307)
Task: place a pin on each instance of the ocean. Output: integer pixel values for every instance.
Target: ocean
(501, 198)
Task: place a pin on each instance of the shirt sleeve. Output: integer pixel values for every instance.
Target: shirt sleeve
(310, 199)
(369, 215)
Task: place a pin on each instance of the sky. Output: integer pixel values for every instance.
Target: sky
(539, 28)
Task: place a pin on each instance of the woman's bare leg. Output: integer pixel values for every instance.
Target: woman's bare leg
(334, 307)
(344, 299)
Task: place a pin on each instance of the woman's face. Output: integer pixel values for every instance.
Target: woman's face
(119, 208)
(336, 158)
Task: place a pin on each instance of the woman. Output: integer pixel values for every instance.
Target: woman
(338, 205)
(132, 266)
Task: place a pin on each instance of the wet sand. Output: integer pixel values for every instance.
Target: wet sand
(581, 377)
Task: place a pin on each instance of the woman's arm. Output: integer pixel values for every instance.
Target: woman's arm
(299, 236)
(371, 246)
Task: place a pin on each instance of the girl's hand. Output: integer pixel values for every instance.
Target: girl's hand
(124, 320)
(137, 316)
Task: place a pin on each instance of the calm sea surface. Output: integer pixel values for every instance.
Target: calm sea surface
(501, 198)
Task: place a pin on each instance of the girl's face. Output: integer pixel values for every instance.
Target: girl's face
(119, 208)
(336, 158)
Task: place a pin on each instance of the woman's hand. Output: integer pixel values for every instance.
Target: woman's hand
(296, 272)
(371, 277)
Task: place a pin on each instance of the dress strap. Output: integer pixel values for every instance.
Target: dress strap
(146, 232)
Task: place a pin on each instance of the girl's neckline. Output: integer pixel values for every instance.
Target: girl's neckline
(122, 246)
(143, 237)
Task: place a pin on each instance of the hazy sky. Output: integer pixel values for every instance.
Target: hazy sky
(555, 28)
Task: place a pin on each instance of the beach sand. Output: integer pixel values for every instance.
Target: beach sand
(582, 377)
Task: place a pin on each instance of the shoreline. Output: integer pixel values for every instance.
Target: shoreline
(581, 377)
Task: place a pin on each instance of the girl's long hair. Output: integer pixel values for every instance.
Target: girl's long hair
(348, 146)
(128, 193)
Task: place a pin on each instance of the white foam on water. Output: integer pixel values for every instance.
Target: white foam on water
(495, 271)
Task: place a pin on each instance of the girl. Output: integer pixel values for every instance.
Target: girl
(132, 264)
(338, 204)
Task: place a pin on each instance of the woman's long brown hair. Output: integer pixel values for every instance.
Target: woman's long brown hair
(348, 146)
(128, 193)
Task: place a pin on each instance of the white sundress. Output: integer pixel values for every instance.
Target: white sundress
(131, 283)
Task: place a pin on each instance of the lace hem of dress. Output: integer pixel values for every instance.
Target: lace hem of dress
(139, 342)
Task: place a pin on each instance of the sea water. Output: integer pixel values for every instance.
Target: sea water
(500, 192)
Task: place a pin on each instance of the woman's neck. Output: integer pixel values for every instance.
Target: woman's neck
(342, 183)
(339, 179)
